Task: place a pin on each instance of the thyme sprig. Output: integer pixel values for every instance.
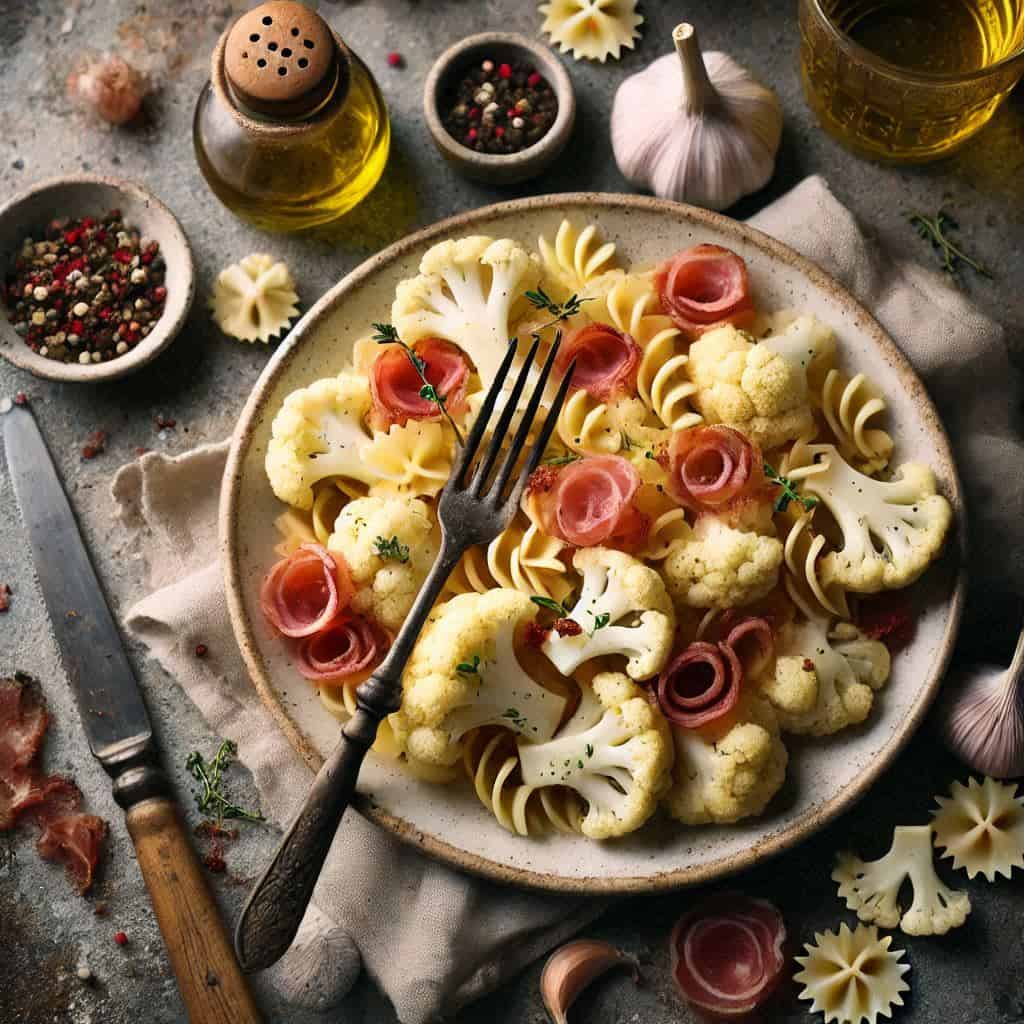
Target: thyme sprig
(552, 606)
(933, 230)
(387, 334)
(789, 491)
(469, 668)
(560, 311)
(210, 776)
(563, 460)
(392, 550)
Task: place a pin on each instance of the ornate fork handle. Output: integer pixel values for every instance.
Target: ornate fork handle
(275, 908)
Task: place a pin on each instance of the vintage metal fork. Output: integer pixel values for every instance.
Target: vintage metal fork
(474, 507)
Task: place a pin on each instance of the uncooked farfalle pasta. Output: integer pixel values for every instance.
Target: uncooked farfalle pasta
(698, 567)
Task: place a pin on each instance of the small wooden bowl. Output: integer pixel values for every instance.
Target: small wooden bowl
(452, 65)
(88, 195)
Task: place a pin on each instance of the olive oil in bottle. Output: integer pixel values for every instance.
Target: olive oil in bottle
(291, 131)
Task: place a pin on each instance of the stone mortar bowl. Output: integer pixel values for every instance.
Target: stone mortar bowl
(454, 63)
(87, 195)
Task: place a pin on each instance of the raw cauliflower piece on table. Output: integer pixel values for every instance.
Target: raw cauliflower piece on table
(620, 765)
(319, 431)
(463, 673)
(720, 566)
(385, 587)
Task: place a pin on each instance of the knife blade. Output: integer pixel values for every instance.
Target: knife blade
(120, 734)
(90, 646)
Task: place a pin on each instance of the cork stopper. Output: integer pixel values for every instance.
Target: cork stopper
(282, 60)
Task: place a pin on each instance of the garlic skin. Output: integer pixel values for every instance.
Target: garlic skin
(715, 144)
(982, 718)
(572, 967)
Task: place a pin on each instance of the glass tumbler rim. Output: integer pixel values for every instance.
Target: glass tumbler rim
(900, 74)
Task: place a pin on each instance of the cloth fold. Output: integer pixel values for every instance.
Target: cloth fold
(432, 938)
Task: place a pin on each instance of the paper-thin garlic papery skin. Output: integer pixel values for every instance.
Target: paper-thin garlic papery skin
(714, 145)
(572, 967)
(982, 717)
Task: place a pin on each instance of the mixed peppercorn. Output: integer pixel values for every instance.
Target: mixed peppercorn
(88, 292)
(501, 108)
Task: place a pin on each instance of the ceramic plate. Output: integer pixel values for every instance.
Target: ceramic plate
(825, 776)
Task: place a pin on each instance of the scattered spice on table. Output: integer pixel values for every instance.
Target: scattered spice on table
(165, 422)
(95, 444)
(121, 938)
(89, 291)
(5, 597)
(202, 650)
(934, 230)
(500, 108)
(20, 398)
(396, 60)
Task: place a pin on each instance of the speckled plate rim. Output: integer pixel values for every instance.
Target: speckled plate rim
(437, 847)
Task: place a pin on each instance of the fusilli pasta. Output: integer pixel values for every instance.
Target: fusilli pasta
(577, 262)
(851, 407)
(492, 763)
(802, 551)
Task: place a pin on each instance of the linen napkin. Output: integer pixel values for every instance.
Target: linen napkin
(432, 938)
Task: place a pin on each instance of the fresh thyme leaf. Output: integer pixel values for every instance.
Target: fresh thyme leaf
(590, 750)
(552, 606)
(209, 776)
(469, 668)
(563, 460)
(560, 311)
(392, 550)
(933, 230)
(513, 715)
(789, 492)
(387, 334)
(602, 620)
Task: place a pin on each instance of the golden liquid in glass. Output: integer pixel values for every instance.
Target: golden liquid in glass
(867, 67)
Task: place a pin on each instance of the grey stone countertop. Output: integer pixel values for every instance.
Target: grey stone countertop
(46, 931)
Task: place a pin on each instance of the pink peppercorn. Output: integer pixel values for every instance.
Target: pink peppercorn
(505, 70)
(474, 113)
(395, 60)
(120, 938)
(534, 80)
(471, 135)
(499, 132)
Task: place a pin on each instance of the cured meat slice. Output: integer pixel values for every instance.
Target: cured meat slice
(606, 360)
(351, 645)
(728, 955)
(704, 287)
(590, 502)
(23, 722)
(304, 592)
(397, 387)
(700, 684)
(714, 467)
(74, 840)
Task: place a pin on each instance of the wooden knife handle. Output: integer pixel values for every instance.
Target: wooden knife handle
(209, 978)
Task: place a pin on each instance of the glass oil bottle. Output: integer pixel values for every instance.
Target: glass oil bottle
(291, 131)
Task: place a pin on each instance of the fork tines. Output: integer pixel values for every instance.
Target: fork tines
(484, 484)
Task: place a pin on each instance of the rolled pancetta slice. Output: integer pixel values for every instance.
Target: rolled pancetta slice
(704, 287)
(700, 684)
(396, 386)
(710, 467)
(305, 591)
(606, 360)
(348, 646)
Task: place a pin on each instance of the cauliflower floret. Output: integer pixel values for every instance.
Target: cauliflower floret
(319, 431)
(872, 888)
(751, 387)
(623, 608)
(465, 292)
(387, 575)
(721, 781)
(463, 673)
(620, 765)
(720, 566)
(892, 529)
(824, 681)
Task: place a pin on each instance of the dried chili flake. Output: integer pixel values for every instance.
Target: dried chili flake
(535, 635)
(5, 597)
(95, 444)
(887, 617)
(165, 422)
(20, 398)
(567, 627)
(808, 665)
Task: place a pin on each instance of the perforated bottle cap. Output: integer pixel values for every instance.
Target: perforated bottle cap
(282, 60)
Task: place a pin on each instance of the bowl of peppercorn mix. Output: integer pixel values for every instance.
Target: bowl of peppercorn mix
(96, 278)
(500, 107)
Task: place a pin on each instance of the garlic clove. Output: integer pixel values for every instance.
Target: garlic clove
(572, 967)
(982, 718)
(715, 145)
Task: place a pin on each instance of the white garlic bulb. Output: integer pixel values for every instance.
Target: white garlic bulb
(982, 717)
(708, 136)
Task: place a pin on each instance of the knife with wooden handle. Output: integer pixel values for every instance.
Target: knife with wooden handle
(120, 736)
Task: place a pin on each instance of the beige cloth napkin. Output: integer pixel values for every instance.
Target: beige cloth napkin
(432, 938)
